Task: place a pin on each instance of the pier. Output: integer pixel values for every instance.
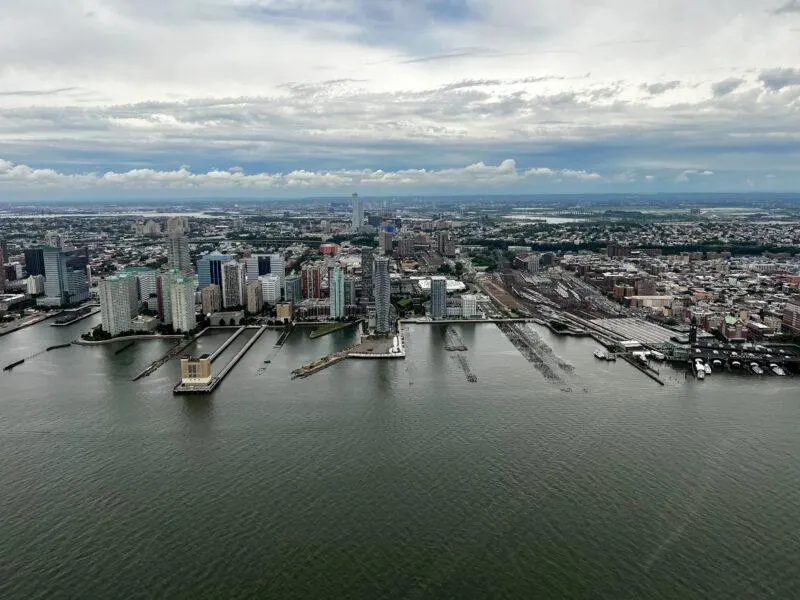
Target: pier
(371, 348)
(180, 388)
(228, 342)
(173, 352)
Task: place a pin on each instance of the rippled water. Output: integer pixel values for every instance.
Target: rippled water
(392, 479)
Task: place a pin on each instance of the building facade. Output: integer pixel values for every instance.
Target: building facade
(255, 298)
(234, 292)
(469, 306)
(182, 300)
(438, 297)
(337, 293)
(294, 289)
(311, 281)
(382, 294)
(211, 299)
(209, 269)
(116, 309)
(34, 261)
(357, 218)
(178, 253)
(271, 288)
(66, 277)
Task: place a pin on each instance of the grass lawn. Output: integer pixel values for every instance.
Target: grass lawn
(327, 328)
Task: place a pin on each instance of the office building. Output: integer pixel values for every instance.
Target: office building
(209, 269)
(116, 308)
(357, 219)
(255, 298)
(211, 299)
(438, 297)
(34, 261)
(277, 267)
(382, 294)
(311, 281)
(349, 290)
(178, 254)
(182, 300)
(66, 277)
(35, 285)
(386, 241)
(234, 280)
(196, 371)
(271, 289)
(257, 266)
(337, 293)
(294, 289)
(367, 265)
(469, 306)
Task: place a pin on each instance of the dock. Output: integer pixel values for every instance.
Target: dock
(371, 348)
(216, 380)
(173, 352)
(649, 371)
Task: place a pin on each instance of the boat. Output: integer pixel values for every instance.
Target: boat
(699, 368)
(756, 369)
(657, 355)
(266, 362)
(600, 354)
(736, 365)
(708, 369)
(701, 374)
(717, 363)
(777, 370)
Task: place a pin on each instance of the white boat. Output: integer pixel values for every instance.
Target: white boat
(777, 370)
(756, 369)
(699, 369)
(701, 374)
(657, 355)
(736, 365)
(600, 354)
(717, 363)
(708, 369)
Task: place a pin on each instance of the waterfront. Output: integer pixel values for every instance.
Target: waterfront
(391, 479)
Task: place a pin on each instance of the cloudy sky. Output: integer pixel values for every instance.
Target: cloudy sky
(303, 97)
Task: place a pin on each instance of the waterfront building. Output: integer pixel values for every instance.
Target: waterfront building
(211, 299)
(116, 309)
(469, 306)
(34, 261)
(145, 286)
(283, 311)
(357, 218)
(294, 289)
(66, 278)
(382, 294)
(209, 269)
(35, 285)
(233, 284)
(337, 293)
(255, 298)
(196, 371)
(164, 296)
(182, 300)
(438, 297)
(178, 253)
(271, 288)
(367, 265)
(311, 281)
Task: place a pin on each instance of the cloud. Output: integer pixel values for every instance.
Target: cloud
(726, 86)
(688, 174)
(777, 79)
(480, 174)
(656, 89)
(791, 6)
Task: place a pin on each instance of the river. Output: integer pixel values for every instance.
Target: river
(391, 479)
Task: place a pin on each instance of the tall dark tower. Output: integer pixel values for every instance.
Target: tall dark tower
(693, 331)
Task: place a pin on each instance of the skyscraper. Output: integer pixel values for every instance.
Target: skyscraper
(211, 299)
(310, 281)
(2, 271)
(178, 253)
(164, 295)
(255, 298)
(277, 267)
(438, 297)
(257, 265)
(233, 284)
(182, 300)
(294, 289)
(382, 293)
(271, 288)
(337, 293)
(145, 285)
(358, 213)
(116, 309)
(367, 260)
(209, 269)
(349, 290)
(34, 261)
(66, 279)
(386, 241)
(54, 239)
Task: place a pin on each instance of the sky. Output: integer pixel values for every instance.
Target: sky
(287, 98)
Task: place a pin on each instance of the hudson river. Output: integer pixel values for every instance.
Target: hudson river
(392, 479)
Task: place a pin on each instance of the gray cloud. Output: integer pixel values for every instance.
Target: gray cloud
(726, 86)
(657, 89)
(791, 6)
(777, 79)
(50, 92)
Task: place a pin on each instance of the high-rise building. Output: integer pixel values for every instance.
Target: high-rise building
(358, 213)
(178, 253)
(178, 226)
(311, 281)
(442, 240)
(54, 240)
(382, 292)
(438, 297)
(255, 298)
(469, 306)
(34, 261)
(211, 299)
(35, 285)
(349, 290)
(257, 266)
(405, 246)
(2, 271)
(116, 309)
(145, 286)
(294, 289)
(233, 284)
(367, 264)
(66, 277)
(209, 269)
(277, 267)
(271, 289)
(164, 295)
(385, 241)
(337, 293)
(182, 300)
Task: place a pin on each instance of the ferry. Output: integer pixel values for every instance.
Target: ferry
(604, 355)
(777, 370)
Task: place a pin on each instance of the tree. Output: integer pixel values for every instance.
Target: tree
(445, 269)
(459, 269)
